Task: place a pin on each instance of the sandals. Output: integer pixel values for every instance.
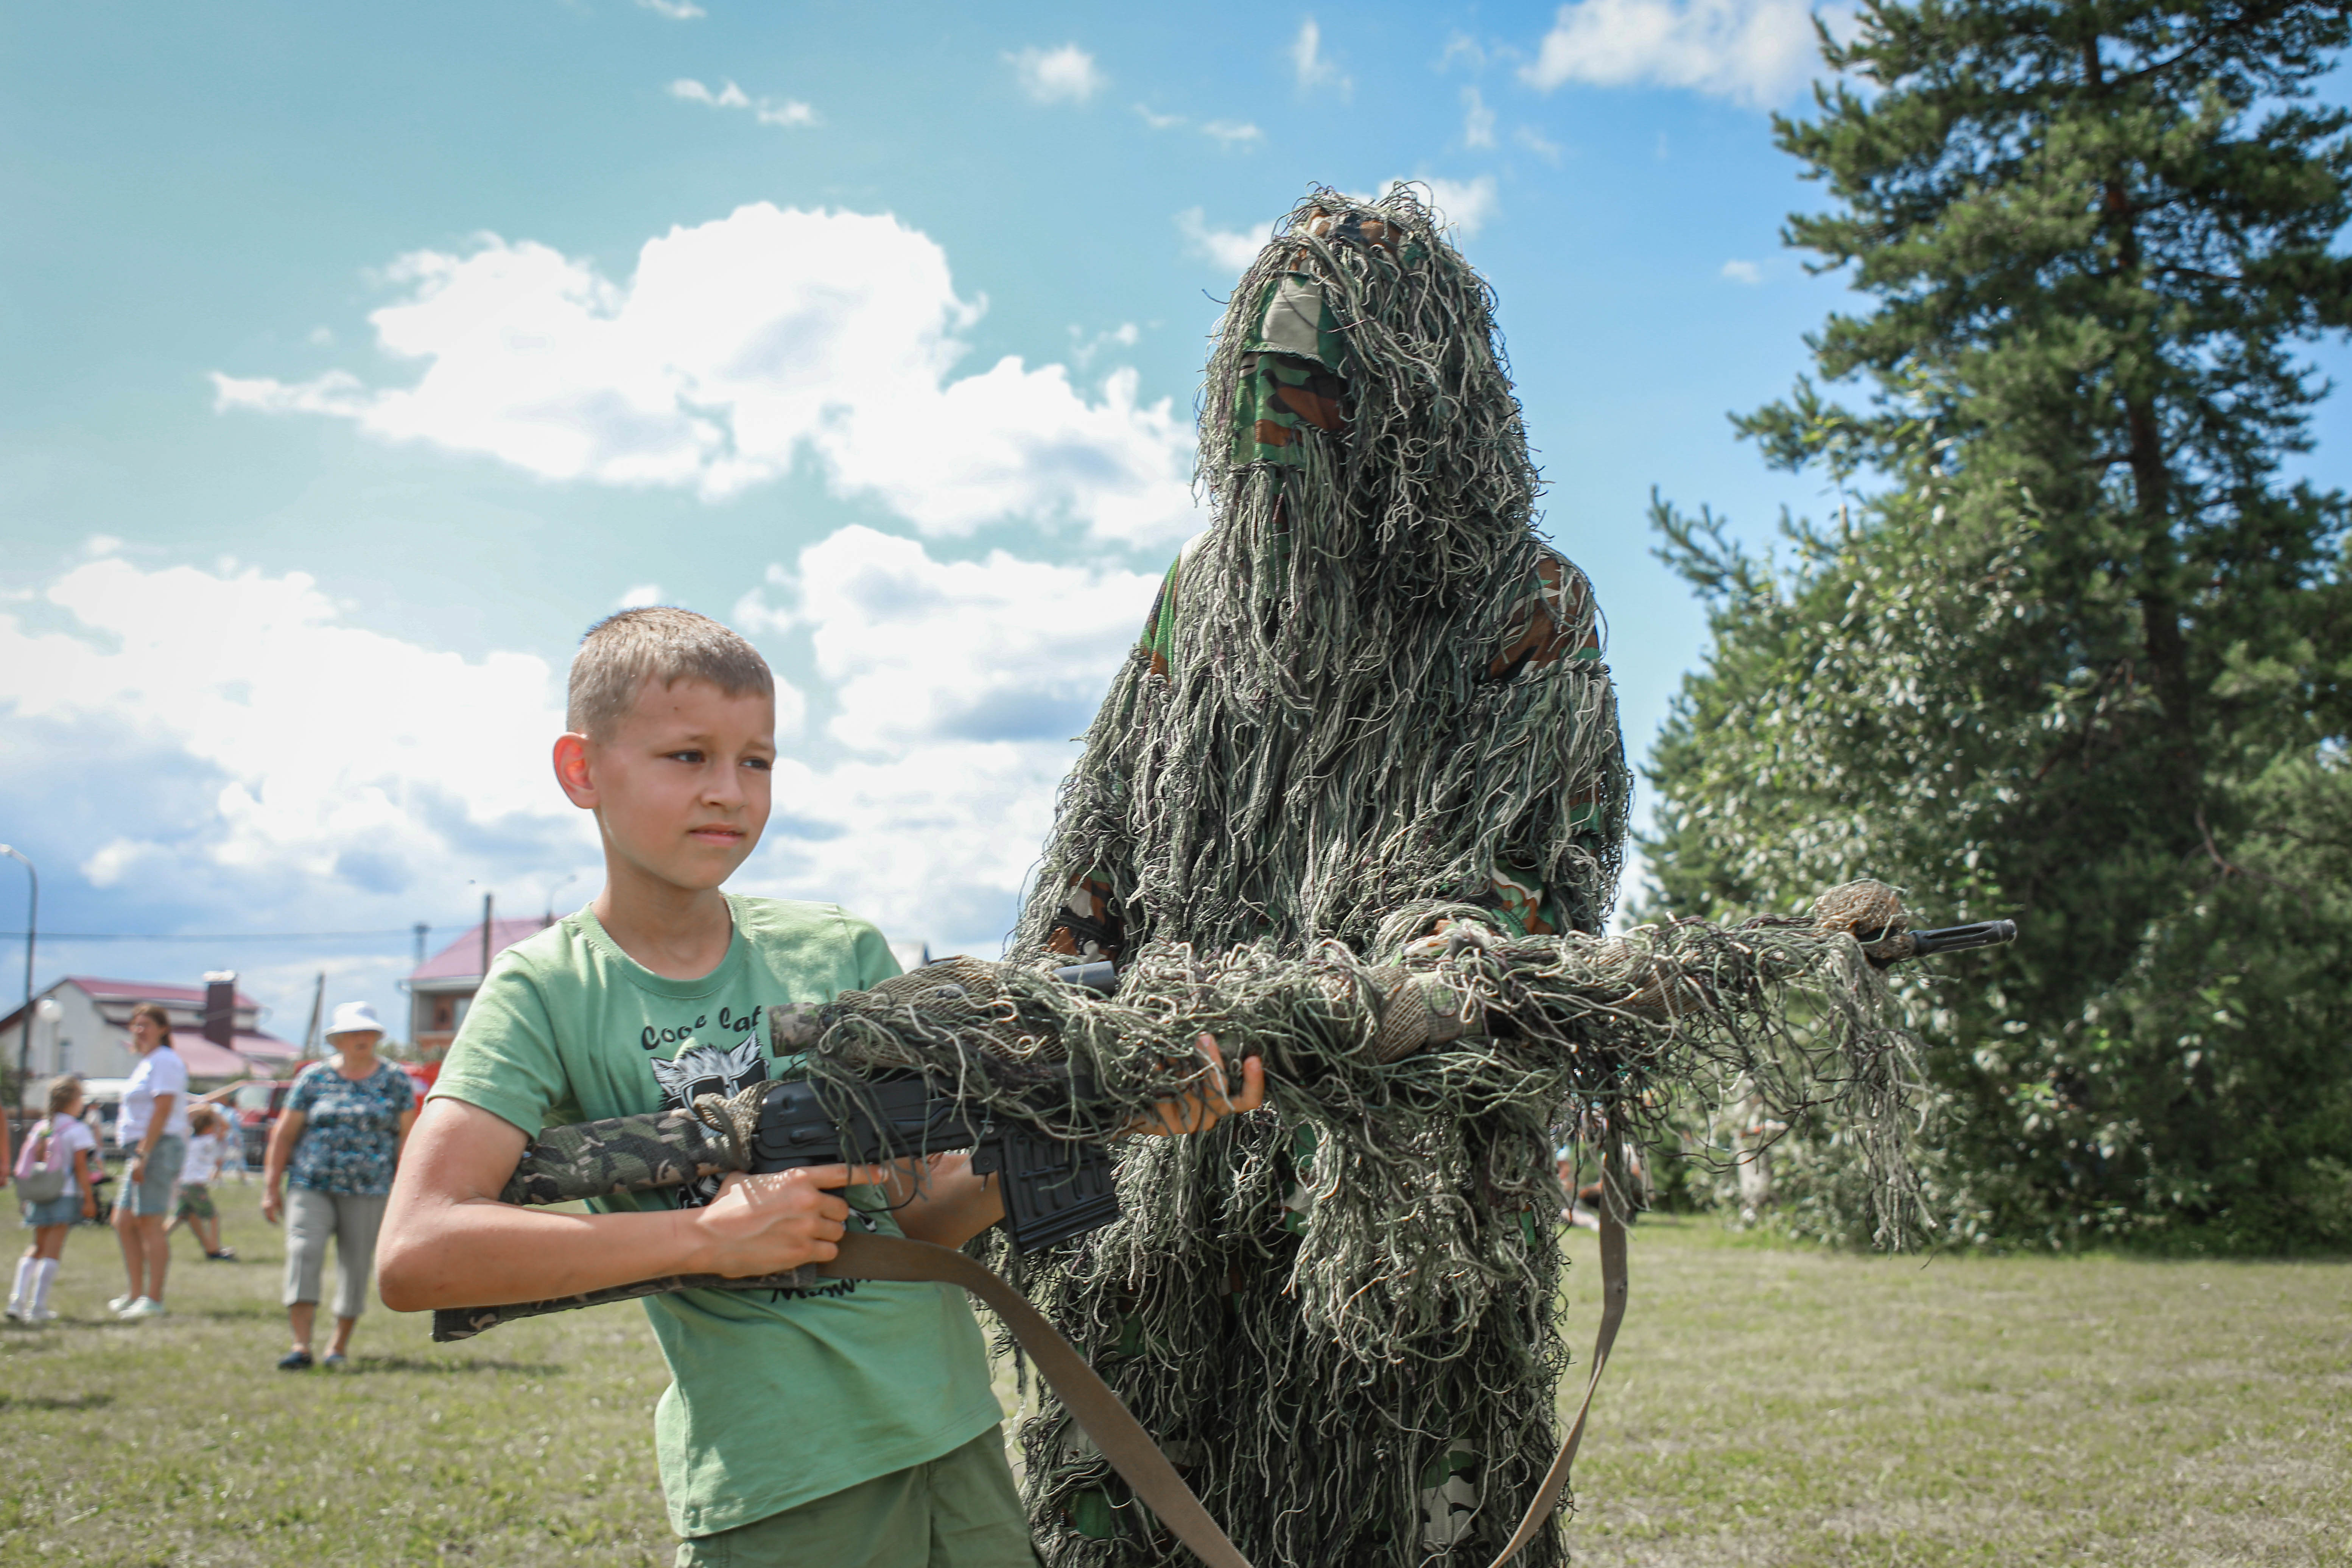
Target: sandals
(295, 1361)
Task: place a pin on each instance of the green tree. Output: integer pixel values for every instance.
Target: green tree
(2074, 652)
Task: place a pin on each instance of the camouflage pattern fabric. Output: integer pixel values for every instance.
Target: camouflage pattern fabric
(1553, 619)
(624, 1154)
(658, 1149)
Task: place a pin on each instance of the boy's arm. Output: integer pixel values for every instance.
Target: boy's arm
(448, 1241)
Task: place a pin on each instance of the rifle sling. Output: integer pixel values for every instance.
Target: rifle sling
(1088, 1399)
(1121, 1438)
(1613, 1312)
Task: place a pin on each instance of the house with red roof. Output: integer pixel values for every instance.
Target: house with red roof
(91, 1034)
(443, 986)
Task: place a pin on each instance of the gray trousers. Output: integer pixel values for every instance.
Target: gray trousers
(311, 1218)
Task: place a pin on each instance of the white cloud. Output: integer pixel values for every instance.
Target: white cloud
(727, 97)
(320, 337)
(642, 597)
(1743, 272)
(959, 685)
(1066, 75)
(1464, 47)
(1477, 119)
(1755, 52)
(1226, 132)
(790, 112)
(1230, 250)
(1535, 142)
(1083, 348)
(335, 754)
(755, 617)
(360, 778)
(1001, 649)
(1307, 61)
(676, 10)
(1464, 205)
(740, 345)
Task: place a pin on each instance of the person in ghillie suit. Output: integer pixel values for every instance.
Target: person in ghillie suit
(1369, 737)
(1354, 808)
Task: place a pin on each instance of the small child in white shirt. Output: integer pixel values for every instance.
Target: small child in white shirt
(208, 1136)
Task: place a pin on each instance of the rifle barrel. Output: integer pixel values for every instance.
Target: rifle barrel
(1958, 939)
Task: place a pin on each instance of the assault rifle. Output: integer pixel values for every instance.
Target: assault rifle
(1052, 1189)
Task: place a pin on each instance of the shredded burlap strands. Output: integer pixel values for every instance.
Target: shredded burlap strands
(1357, 805)
(1312, 1307)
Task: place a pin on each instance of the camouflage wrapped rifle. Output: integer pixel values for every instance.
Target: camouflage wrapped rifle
(1054, 1165)
(1052, 1188)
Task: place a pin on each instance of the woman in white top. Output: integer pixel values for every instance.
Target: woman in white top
(155, 1128)
(62, 1141)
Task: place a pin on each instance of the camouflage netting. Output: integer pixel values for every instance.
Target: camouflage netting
(1370, 707)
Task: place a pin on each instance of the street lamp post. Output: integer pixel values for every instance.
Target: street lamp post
(32, 925)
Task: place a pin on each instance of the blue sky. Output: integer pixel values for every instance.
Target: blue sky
(362, 356)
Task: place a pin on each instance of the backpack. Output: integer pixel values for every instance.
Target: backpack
(43, 1183)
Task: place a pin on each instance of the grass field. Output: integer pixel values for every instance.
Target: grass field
(1767, 1406)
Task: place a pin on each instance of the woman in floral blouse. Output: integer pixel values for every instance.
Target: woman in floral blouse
(334, 1150)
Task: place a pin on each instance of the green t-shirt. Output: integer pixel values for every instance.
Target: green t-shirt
(777, 1397)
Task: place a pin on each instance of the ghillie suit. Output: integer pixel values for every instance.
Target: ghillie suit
(1356, 804)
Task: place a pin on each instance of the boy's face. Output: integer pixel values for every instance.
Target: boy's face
(680, 787)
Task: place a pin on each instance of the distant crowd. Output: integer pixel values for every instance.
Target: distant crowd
(326, 1173)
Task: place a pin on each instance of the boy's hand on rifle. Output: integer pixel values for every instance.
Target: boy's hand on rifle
(767, 1224)
(1202, 1108)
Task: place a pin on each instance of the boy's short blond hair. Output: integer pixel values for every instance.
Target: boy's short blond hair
(662, 644)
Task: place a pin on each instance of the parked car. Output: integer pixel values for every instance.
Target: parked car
(257, 1104)
(103, 1097)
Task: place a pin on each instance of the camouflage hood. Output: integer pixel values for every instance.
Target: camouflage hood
(1369, 684)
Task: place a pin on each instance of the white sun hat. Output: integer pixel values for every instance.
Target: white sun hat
(352, 1018)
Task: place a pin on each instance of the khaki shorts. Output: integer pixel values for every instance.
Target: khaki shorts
(153, 1197)
(961, 1511)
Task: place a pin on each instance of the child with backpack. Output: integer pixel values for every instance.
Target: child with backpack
(53, 1180)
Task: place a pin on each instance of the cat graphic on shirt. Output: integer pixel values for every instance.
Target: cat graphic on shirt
(701, 1069)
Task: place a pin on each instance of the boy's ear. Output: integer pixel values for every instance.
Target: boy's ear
(571, 770)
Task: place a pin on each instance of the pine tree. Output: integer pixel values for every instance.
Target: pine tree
(2075, 652)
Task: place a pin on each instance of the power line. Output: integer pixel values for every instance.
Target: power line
(406, 931)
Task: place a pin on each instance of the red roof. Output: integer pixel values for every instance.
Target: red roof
(148, 991)
(462, 959)
(252, 1052)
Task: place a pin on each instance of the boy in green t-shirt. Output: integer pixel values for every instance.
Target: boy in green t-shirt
(845, 1427)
